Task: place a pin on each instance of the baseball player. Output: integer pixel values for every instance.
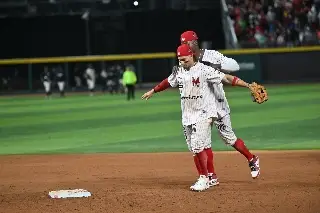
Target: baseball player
(121, 86)
(112, 80)
(77, 77)
(119, 79)
(90, 75)
(60, 79)
(223, 123)
(46, 80)
(103, 76)
(198, 106)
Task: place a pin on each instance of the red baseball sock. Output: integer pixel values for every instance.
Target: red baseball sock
(203, 158)
(210, 161)
(241, 147)
(197, 163)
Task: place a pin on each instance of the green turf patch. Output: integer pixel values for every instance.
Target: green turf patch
(105, 123)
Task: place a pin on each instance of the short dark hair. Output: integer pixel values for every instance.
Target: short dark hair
(195, 58)
(195, 42)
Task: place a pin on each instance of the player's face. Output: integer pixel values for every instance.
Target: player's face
(186, 61)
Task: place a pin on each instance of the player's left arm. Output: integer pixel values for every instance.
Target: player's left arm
(259, 93)
(215, 76)
(234, 81)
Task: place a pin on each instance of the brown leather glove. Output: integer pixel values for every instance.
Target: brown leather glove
(258, 93)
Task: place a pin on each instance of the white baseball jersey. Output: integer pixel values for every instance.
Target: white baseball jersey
(216, 58)
(90, 73)
(194, 85)
(103, 74)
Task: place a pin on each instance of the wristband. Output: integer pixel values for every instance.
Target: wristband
(234, 81)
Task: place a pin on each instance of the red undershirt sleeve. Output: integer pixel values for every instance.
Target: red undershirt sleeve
(162, 86)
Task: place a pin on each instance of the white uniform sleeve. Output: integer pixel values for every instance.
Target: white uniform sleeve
(172, 79)
(230, 64)
(214, 76)
(216, 57)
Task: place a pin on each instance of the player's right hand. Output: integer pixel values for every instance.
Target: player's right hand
(147, 95)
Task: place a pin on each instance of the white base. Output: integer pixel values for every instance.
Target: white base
(69, 193)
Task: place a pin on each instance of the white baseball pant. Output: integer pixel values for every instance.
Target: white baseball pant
(198, 135)
(78, 81)
(61, 85)
(225, 130)
(91, 84)
(47, 86)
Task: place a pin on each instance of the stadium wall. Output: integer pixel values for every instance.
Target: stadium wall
(279, 65)
(295, 66)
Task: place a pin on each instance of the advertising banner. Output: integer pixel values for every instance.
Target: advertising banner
(250, 66)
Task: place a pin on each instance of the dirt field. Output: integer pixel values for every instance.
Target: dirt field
(290, 181)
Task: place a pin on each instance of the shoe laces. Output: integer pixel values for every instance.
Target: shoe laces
(200, 180)
(252, 165)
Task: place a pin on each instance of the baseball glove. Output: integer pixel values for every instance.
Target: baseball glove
(258, 93)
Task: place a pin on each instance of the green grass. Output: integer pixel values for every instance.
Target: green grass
(83, 124)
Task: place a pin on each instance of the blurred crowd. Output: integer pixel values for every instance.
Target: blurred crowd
(109, 79)
(273, 23)
(82, 76)
(113, 79)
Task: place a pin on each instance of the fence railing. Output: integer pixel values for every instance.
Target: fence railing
(269, 64)
(24, 74)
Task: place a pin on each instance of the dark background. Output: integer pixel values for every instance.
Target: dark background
(55, 31)
(154, 26)
(295, 66)
(132, 32)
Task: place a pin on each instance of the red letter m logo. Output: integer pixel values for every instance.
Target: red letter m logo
(195, 82)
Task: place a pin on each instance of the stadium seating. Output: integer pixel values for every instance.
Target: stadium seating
(275, 23)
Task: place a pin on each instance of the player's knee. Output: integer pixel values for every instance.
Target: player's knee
(229, 140)
(196, 150)
(207, 147)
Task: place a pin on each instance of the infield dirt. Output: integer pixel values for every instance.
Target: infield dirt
(159, 182)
